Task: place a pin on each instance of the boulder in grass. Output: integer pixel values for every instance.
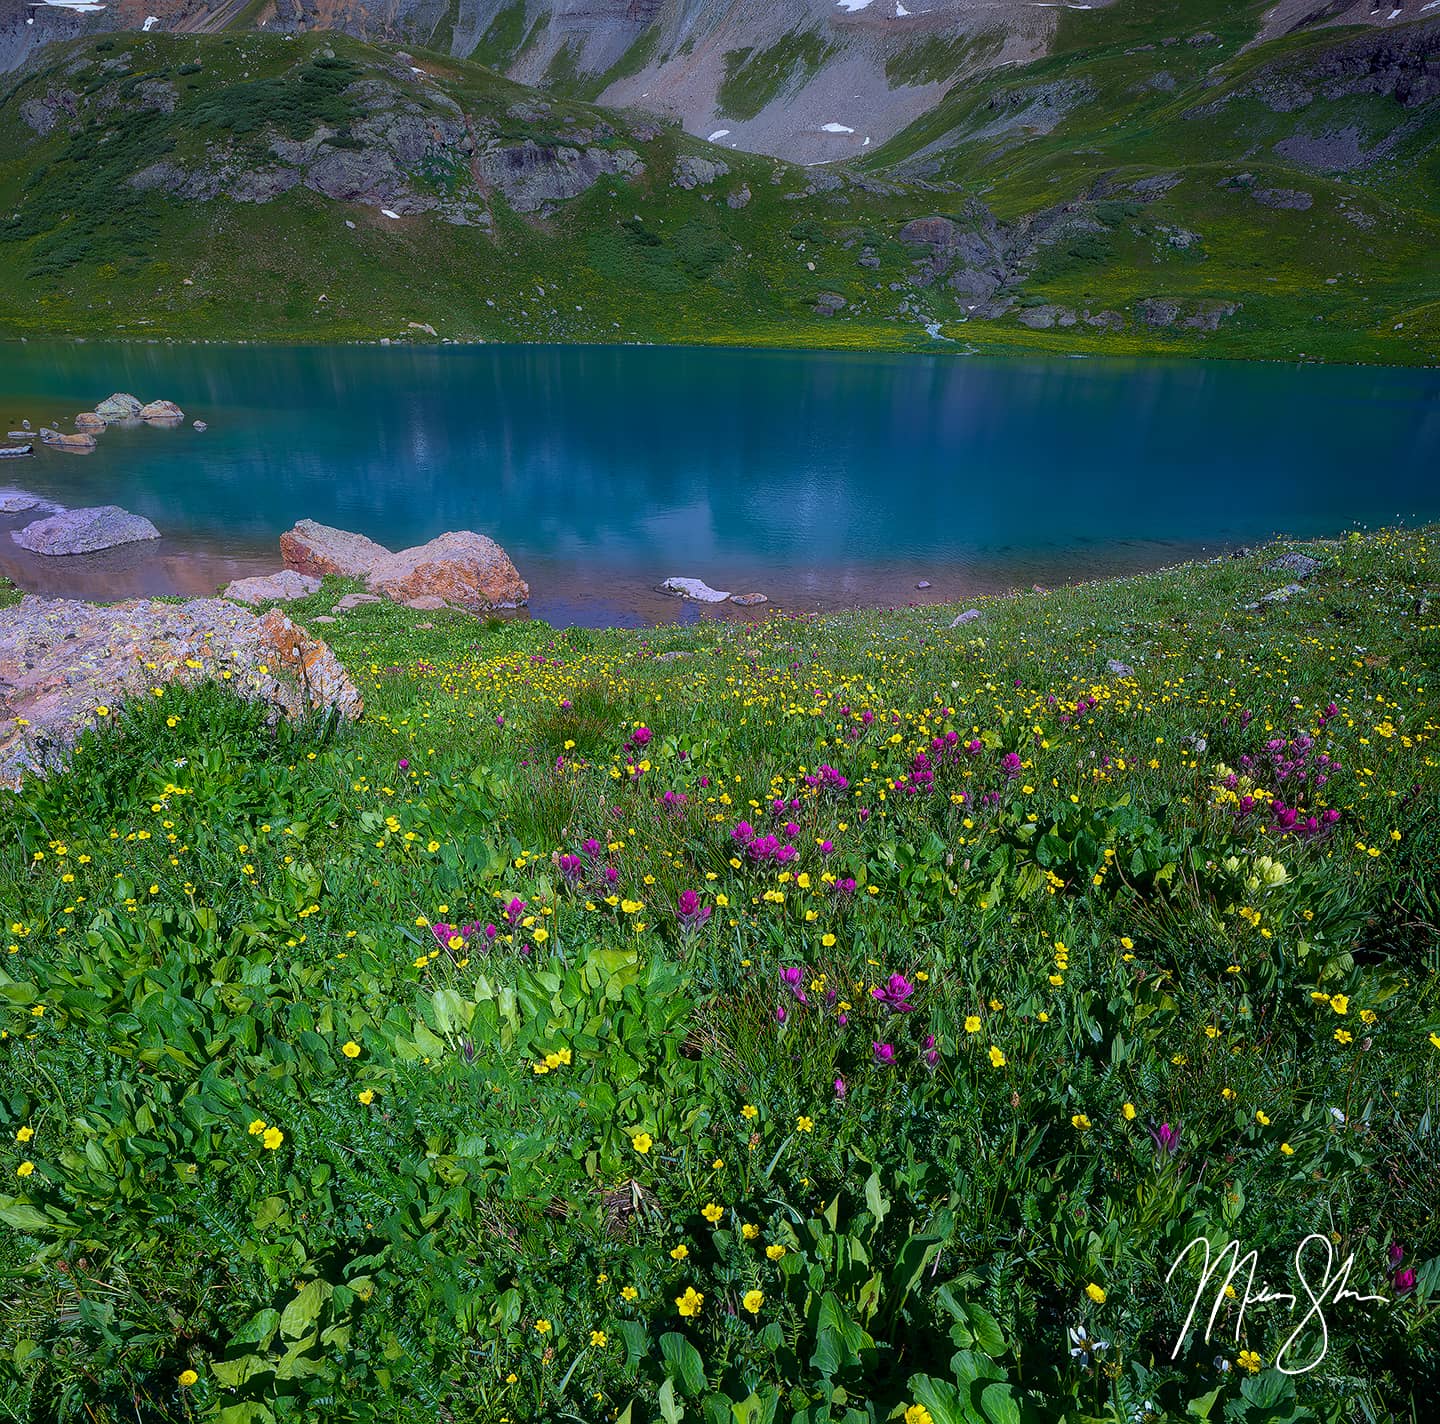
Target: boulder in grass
(84, 531)
(968, 616)
(317, 549)
(272, 588)
(89, 421)
(1296, 565)
(120, 406)
(162, 412)
(465, 569)
(60, 660)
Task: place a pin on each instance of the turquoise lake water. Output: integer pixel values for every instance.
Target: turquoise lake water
(822, 480)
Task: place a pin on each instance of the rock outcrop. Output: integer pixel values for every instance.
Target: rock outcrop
(691, 172)
(84, 531)
(465, 569)
(532, 175)
(319, 549)
(89, 422)
(62, 660)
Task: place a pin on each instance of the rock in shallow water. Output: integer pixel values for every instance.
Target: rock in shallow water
(61, 659)
(84, 531)
(694, 588)
(162, 412)
(120, 406)
(58, 440)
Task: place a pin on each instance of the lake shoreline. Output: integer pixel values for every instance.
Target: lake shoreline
(935, 346)
(825, 481)
(565, 595)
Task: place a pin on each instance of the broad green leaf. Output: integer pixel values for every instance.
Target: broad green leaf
(304, 1310)
(684, 1362)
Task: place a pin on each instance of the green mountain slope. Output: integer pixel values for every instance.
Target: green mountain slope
(1160, 183)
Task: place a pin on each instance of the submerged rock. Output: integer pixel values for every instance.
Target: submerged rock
(461, 567)
(264, 588)
(319, 549)
(13, 501)
(60, 660)
(84, 531)
(749, 600)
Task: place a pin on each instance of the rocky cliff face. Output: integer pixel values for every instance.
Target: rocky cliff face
(812, 81)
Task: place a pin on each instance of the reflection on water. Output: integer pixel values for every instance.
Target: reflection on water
(821, 479)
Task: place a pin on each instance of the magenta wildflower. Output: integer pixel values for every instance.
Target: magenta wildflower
(690, 912)
(793, 978)
(884, 1053)
(895, 994)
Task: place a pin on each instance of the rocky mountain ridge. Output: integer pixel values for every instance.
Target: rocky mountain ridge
(1191, 190)
(807, 80)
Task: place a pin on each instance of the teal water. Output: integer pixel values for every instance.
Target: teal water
(823, 480)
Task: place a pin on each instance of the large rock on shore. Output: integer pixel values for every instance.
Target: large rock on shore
(84, 531)
(465, 569)
(317, 549)
(60, 660)
(120, 406)
(272, 588)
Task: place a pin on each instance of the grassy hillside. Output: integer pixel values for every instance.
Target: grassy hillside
(1156, 185)
(842, 1019)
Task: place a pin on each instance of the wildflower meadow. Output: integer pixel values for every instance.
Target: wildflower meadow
(845, 1018)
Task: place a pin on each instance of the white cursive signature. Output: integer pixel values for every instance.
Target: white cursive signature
(1334, 1287)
